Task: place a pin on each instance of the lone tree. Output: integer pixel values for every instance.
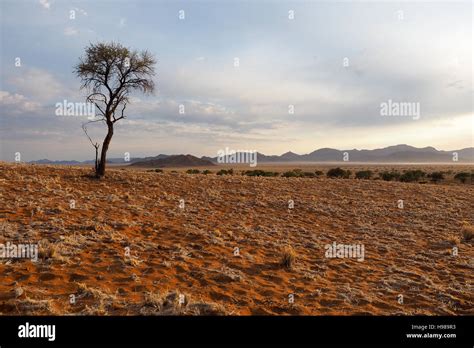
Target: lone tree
(110, 72)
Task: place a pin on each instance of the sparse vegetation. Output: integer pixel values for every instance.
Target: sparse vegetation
(412, 175)
(436, 176)
(259, 172)
(193, 171)
(298, 173)
(389, 176)
(463, 177)
(84, 245)
(338, 173)
(363, 174)
(291, 174)
(178, 304)
(225, 172)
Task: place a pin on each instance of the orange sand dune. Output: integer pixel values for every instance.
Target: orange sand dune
(171, 243)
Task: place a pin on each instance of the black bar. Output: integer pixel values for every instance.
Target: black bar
(241, 330)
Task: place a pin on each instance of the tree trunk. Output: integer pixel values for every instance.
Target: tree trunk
(96, 165)
(105, 146)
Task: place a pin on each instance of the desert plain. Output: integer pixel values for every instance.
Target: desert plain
(140, 242)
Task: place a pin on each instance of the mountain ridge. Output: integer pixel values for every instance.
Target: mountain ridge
(394, 153)
(174, 161)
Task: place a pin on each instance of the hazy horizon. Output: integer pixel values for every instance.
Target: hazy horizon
(310, 75)
(112, 155)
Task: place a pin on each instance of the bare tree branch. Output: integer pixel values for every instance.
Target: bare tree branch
(122, 116)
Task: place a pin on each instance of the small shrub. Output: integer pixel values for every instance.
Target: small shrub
(436, 176)
(259, 172)
(291, 174)
(298, 173)
(207, 171)
(412, 175)
(254, 172)
(225, 172)
(338, 173)
(363, 174)
(419, 173)
(463, 177)
(193, 171)
(407, 177)
(318, 173)
(389, 176)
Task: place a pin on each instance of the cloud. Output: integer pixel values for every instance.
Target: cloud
(70, 31)
(37, 84)
(16, 104)
(45, 4)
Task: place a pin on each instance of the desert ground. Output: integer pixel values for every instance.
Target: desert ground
(145, 243)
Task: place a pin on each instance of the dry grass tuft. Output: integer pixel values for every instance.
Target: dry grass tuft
(46, 250)
(453, 240)
(152, 300)
(467, 233)
(288, 257)
(178, 304)
(102, 301)
(29, 306)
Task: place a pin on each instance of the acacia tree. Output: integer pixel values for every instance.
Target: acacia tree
(110, 72)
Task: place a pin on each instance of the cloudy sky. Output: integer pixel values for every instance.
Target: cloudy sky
(335, 63)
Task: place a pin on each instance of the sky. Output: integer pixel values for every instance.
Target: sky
(310, 74)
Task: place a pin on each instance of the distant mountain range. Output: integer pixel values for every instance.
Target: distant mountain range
(397, 153)
(173, 161)
(391, 154)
